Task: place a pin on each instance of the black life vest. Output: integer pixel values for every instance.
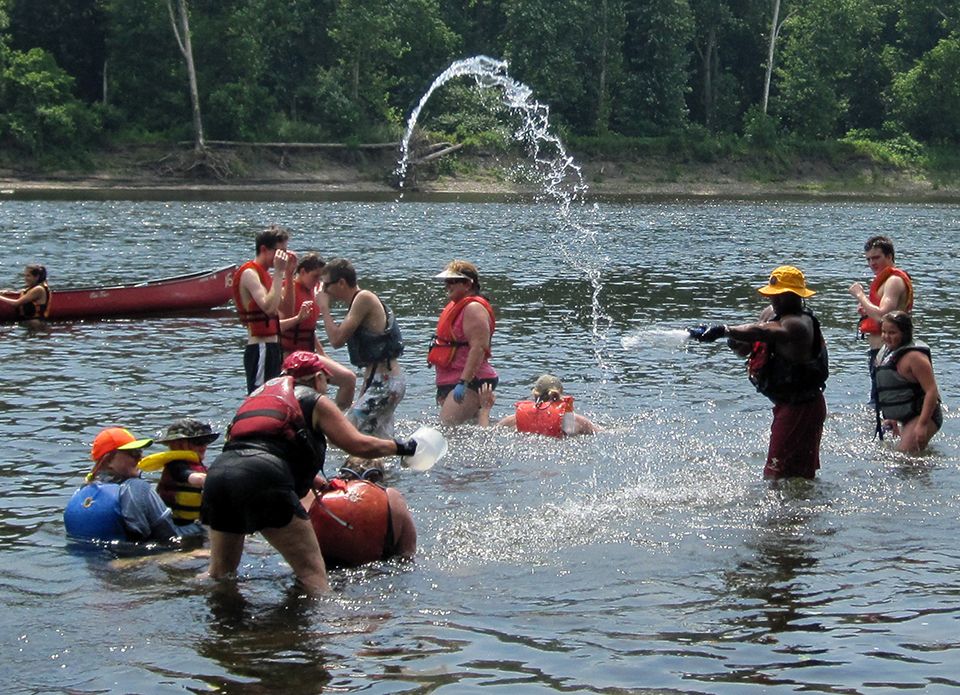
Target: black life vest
(897, 398)
(366, 347)
(783, 381)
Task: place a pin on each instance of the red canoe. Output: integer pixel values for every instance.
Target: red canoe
(203, 290)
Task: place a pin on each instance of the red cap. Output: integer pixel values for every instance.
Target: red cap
(113, 438)
(304, 363)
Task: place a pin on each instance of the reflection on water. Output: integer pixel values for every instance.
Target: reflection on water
(649, 556)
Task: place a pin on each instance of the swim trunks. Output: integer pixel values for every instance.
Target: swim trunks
(373, 412)
(795, 439)
(261, 362)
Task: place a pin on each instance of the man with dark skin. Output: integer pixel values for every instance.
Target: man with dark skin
(788, 364)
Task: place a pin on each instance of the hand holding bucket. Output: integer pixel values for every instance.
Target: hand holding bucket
(431, 447)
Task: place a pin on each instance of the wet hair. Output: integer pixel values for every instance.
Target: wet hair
(547, 388)
(903, 321)
(356, 468)
(885, 244)
(271, 237)
(310, 262)
(37, 271)
(340, 269)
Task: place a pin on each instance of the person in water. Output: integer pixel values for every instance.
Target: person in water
(788, 364)
(460, 350)
(298, 325)
(115, 503)
(374, 343)
(257, 297)
(358, 520)
(891, 290)
(907, 393)
(273, 457)
(33, 302)
(181, 482)
(547, 412)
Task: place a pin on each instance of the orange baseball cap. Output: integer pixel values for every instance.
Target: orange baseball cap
(113, 438)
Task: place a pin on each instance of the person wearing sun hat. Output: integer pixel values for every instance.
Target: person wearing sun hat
(115, 503)
(184, 472)
(548, 411)
(460, 350)
(787, 362)
(274, 455)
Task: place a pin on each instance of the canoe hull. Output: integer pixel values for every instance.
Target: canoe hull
(184, 293)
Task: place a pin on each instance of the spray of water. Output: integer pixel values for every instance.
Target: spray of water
(561, 178)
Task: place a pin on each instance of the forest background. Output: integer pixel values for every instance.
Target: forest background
(865, 88)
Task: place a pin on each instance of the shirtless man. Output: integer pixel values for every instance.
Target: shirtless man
(373, 341)
(891, 290)
(257, 297)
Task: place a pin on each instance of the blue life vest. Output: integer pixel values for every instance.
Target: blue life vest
(94, 512)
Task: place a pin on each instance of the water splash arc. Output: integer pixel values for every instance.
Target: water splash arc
(560, 177)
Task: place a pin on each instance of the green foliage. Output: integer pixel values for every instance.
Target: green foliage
(822, 68)
(927, 97)
(760, 129)
(901, 150)
(39, 113)
(643, 76)
(238, 111)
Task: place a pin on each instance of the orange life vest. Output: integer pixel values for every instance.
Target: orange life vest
(444, 345)
(870, 325)
(363, 506)
(303, 335)
(251, 315)
(544, 417)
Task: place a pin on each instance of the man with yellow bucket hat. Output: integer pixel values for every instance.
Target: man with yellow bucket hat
(787, 362)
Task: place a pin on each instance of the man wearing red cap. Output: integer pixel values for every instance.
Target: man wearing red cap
(788, 364)
(116, 503)
(273, 457)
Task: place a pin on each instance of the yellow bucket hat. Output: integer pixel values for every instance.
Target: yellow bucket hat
(786, 278)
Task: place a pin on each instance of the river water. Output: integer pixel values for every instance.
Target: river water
(649, 558)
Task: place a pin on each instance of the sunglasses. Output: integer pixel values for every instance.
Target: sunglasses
(454, 281)
(373, 475)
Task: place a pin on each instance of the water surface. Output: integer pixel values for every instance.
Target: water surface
(651, 557)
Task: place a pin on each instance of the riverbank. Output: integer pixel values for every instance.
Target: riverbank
(292, 172)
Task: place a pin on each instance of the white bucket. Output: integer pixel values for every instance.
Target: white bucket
(431, 447)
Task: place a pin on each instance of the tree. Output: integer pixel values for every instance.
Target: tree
(927, 97)
(179, 19)
(825, 52)
(651, 98)
(72, 31)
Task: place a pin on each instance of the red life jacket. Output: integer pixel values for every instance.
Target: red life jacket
(869, 325)
(364, 506)
(545, 417)
(271, 411)
(251, 315)
(303, 335)
(444, 345)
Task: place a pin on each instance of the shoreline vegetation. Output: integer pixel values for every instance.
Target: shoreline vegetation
(298, 171)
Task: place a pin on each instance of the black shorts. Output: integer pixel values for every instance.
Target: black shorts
(443, 390)
(248, 490)
(261, 363)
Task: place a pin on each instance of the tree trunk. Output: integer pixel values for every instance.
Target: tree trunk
(774, 30)
(709, 54)
(603, 113)
(181, 29)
